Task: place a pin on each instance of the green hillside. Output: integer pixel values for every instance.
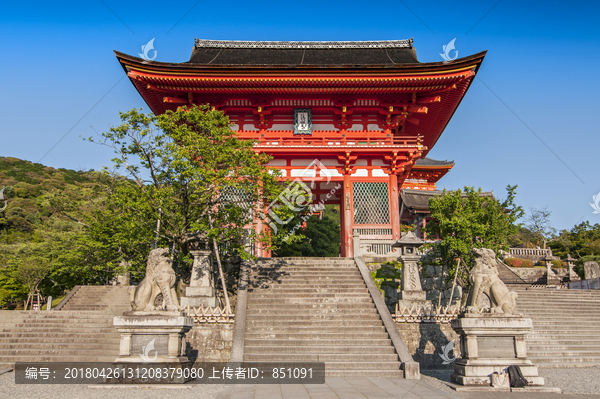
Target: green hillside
(25, 186)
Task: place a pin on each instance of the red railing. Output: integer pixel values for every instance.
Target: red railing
(331, 140)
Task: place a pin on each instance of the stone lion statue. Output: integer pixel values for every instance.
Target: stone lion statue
(484, 280)
(160, 279)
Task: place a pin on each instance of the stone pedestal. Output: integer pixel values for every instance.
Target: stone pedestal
(157, 337)
(490, 343)
(591, 270)
(152, 339)
(412, 293)
(201, 291)
(551, 277)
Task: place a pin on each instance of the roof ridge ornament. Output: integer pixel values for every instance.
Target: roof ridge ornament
(201, 43)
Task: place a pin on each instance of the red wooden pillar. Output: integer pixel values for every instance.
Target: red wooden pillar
(342, 225)
(394, 206)
(348, 221)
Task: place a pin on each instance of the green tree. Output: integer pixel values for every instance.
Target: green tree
(538, 222)
(319, 238)
(582, 240)
(187, 172)
(464, 220)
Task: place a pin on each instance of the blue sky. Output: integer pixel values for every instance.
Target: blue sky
(528, 119)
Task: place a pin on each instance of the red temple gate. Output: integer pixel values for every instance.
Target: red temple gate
(369, 112)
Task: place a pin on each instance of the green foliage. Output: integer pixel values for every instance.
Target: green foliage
(579, 264)
(538, 223)
(319, 238)
(187, 173)
(523, 238)
(517, 262)
(464, 220)
(387, 275)
(582, 240)
(31, 230)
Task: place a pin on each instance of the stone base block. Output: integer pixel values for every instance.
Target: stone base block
(153, 337)
(197, 301)
(411, 371)
(200, 291)
(413, 295)
(490, 343)
(403, 303)
(479, 371)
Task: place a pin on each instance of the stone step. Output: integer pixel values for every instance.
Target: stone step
(314, 335)
(267, 294)
(322, 313)
(320, 343)
(549, 348)
(319, 317)
(307, 306)
(309, 330)
(542, 361)
(302, 281)
(365, 373)
(319, 357)
(311, 311)
(90, 320)
(307, 323)
(539, 324)
(63, 335)
(306, 259)
(550, 336)
(12, 359)
(35, 340)
(592, 340)
(20, 325)
(25, 346)
(57, 352)
(362, 365)
(304, 267)
(63, 329)
(318, 288)
(51, 313)
(309, 301)
(305, 349)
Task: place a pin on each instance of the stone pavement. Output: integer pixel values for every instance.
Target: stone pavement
(335, 387)
(338, 387)
(372, 388)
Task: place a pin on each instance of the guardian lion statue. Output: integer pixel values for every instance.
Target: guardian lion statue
(484, 280)
(160, 279)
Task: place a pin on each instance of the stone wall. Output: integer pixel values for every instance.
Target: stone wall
(528, 273)
(425, 342)
(210, 342)
(431, 278)
(538, 273)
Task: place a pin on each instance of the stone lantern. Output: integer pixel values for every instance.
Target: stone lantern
(551, 277)
(570, 263)
(201, 291)
(412, 294)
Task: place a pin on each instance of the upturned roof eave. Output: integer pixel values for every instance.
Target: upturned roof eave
(126, 60)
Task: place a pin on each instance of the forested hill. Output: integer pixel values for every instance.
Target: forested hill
(25, 184)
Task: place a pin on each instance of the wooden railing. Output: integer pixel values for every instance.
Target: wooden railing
(331, 139)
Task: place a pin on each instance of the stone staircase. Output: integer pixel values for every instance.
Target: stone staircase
(57, 336)
(565, 326)
(316, 310)
(507, 275)
(103, 298)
